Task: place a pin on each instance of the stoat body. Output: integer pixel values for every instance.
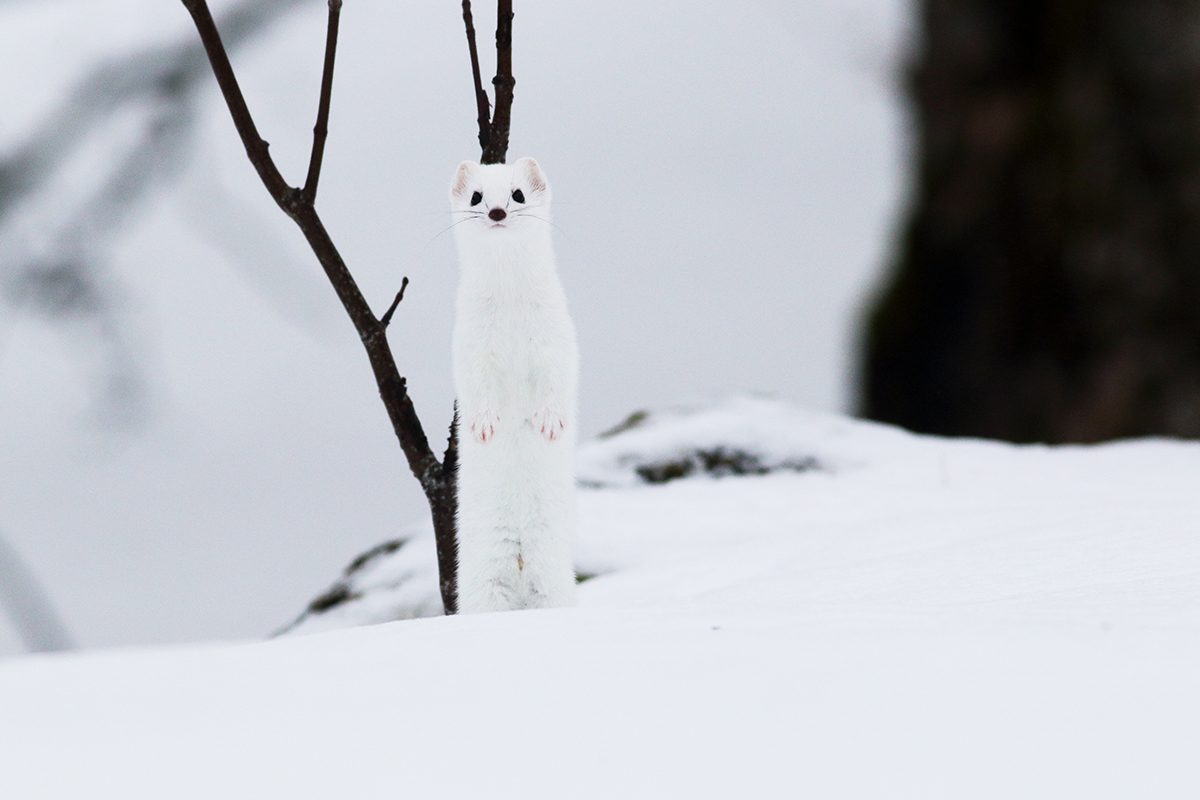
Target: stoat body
(516, 368)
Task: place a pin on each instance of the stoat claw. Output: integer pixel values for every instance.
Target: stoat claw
(483, 426)
(549, 423)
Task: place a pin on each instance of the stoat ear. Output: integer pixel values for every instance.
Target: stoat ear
(462, 179)
(533, 173)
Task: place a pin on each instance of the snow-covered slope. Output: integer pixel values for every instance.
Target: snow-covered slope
(901, 617)
(952, 527)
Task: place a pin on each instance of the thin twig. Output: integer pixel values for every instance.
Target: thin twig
(321, 129)
(386, 319)
(481, 98)
(256, 148)
(393, 388)
(497, 146)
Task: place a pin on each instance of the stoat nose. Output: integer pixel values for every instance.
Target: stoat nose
(497, 214)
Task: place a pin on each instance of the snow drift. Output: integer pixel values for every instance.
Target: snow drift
(901, 617)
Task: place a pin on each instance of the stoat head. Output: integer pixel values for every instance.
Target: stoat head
(500, 199)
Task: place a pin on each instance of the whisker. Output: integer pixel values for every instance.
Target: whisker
(549, 222)
(443, 230)
(469, 214)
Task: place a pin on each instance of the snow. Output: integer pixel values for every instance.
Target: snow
(913, 617)
(878, 615)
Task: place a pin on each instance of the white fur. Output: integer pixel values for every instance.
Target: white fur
(516, 369)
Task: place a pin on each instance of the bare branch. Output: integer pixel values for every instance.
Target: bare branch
(386, 319)
(256, 148)
(321, 129)
(393, 389)
(497, 145)
(481, 98)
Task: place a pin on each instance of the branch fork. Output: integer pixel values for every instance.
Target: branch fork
(436, 477)
(386, 319)
(493, 128)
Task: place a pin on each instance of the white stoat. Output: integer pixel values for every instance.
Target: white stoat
(516, 369)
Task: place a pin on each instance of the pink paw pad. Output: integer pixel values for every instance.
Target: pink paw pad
(483, 426)
(549, 424)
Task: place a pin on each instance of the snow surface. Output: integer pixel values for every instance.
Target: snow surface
(913, 617)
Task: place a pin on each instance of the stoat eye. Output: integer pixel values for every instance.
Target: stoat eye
(518, 195)
(477, 198)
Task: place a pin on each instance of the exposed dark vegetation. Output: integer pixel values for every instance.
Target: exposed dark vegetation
(335, 596)
(629, 423)
(341, 591)
(718, 462)
(378, 551)
(344, 589)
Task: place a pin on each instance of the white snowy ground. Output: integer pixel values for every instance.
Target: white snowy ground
(912, 617)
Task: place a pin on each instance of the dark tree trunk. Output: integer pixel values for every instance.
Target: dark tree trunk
(1048, 285)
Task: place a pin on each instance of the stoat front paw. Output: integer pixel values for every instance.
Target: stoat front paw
(549, 423)
(483, 426)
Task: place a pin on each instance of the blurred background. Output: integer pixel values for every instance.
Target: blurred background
(968, 217)
(1046, 286)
